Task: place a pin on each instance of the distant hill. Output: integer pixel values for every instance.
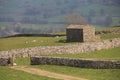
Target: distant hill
(97, 12)
(44, 11)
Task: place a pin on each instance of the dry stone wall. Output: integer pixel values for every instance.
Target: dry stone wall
(96, 64)
(4, 61)
(67, 49)
(108, 32)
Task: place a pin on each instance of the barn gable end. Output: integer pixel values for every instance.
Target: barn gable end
(80, 33)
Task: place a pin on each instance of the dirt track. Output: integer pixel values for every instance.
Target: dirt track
(46, 73)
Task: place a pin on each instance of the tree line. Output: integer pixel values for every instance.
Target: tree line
(41, 14)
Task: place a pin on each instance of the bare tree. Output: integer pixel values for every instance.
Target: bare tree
(74, 18)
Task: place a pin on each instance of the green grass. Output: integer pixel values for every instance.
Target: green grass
(91, 74)
(24, 42)
(23, 61)
(107, 28)
(110, 54)
(9, 74)
(109, 36)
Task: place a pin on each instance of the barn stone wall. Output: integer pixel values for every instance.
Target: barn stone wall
(96, 64)
(88, 33)
(80, 33)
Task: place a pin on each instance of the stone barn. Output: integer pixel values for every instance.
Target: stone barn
(80, 33)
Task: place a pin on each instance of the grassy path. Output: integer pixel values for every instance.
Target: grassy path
(46, 73)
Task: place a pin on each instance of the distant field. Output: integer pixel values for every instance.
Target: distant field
(107, 28)
(10, 74)
(109, 36)
(24, 42)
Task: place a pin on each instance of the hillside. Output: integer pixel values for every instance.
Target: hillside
(50, 14)
(50, 10)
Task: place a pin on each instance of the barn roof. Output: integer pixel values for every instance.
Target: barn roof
(79, 26)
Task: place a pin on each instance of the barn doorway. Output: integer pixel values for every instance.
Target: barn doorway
(75, 35)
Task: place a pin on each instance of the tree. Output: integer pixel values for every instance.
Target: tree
(92, 12)
(89, 19)
(108, 21)
(74, 18)
(102, 12)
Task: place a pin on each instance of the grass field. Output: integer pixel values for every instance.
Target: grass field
(109, 36)
(9, 74)
(91, 74)
(24, 42)
(100, 74)
(107, 28)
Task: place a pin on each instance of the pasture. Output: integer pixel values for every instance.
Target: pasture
(6, 73)
(25, 42)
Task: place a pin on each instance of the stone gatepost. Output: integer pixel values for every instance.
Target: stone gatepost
(12, 60)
